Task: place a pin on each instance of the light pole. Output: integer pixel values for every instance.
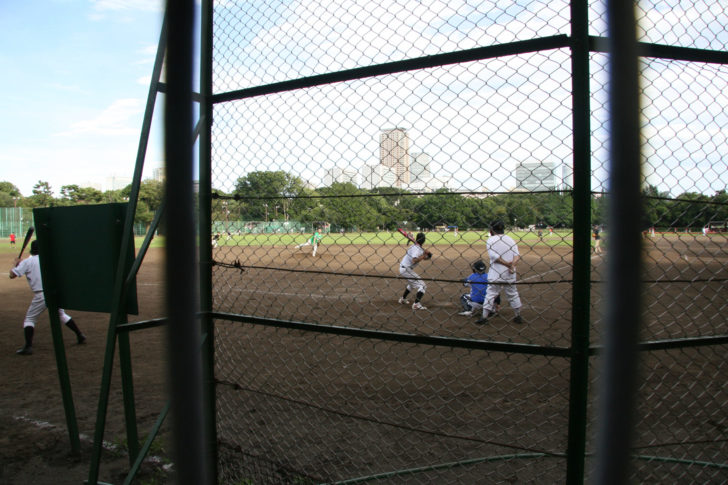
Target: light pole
(266, 211)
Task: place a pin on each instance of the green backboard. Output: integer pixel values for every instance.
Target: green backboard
(79, 254)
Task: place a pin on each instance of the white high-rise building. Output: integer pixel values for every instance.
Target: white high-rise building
(420, 166)
(534, 176)
(373, 176)
(394, 146)
(117, 183)
(341, 175)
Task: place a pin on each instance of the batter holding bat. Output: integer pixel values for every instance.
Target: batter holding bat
(30, 268)
(412, 258)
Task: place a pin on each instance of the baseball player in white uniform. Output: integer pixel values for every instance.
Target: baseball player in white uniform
(30, 268)
(412, 258)
(504, 255)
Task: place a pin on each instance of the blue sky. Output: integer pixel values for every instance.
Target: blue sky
(75, 78)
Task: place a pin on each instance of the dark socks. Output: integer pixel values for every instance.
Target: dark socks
(72, 325)
(404, 295)
(418, 297)
(28, 331)
(80, 337)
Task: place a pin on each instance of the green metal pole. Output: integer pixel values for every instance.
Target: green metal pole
(51, 300)
(127, 387)
(117, 312)
(62, 366)
(581, 290)
(205, 230)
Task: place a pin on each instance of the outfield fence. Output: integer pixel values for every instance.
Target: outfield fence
(15, 220)
(376, 116)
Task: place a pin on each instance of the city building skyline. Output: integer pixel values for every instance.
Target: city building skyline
(394, 146)
(397, 167)
(534, 176)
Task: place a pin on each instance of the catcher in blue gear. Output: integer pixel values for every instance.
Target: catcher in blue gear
(478, 283)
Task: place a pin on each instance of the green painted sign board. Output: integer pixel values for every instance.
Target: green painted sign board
(79, 255)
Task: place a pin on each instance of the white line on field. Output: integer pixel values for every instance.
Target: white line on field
(107, 445)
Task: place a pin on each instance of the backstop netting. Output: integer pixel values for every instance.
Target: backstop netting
(347, 121)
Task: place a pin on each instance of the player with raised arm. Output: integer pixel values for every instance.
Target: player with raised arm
(314, 241)
(30, 268)
(412, 258)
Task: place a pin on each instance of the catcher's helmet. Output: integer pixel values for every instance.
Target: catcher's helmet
(479, 266)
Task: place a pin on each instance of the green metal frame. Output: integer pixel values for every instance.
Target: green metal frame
(118, 314)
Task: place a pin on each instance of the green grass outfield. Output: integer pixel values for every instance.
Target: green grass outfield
(558, 238)
(6, 248)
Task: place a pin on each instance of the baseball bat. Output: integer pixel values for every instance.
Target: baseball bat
(407, 235)
(28, 235)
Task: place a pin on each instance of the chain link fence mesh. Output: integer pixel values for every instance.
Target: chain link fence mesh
(322, 375)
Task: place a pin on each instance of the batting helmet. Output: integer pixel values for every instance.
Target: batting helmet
(479, 266)
(420, 238)
(34, 247)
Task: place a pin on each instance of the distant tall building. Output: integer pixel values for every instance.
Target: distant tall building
(533, 176)
(373, 176)
(117, 183)
(158, 174)
(341, 175)
(420, 166)
(394, 153)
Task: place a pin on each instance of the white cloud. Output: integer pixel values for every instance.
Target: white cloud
(117, 5)
(121, 118)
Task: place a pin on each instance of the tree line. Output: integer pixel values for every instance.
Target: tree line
(150, 197)
(281, 196)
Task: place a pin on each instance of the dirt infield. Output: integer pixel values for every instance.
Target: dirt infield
(280, 388)
(34, 446)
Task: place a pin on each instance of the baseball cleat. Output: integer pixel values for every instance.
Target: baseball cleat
(418, 306)
(518, 319)
(81, 339)
(481, 321)
(402, 301)
(26, 350)
(467, 313)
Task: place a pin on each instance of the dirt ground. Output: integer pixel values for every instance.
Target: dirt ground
(34, 445)
(278, 388)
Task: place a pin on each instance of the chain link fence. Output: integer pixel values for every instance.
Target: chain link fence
(15, 220)
(338, 123)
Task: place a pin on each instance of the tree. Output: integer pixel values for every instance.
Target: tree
(151, 193)
(262, 191)
(442, 208)
(656, 210)
(42, 195)
(74, 195)
(347, 211)
(9, 189)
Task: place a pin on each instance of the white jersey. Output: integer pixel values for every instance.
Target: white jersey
(414, 251)
(503, 247)
(30, 268)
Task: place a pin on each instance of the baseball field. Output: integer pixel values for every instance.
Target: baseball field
(318, 406)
